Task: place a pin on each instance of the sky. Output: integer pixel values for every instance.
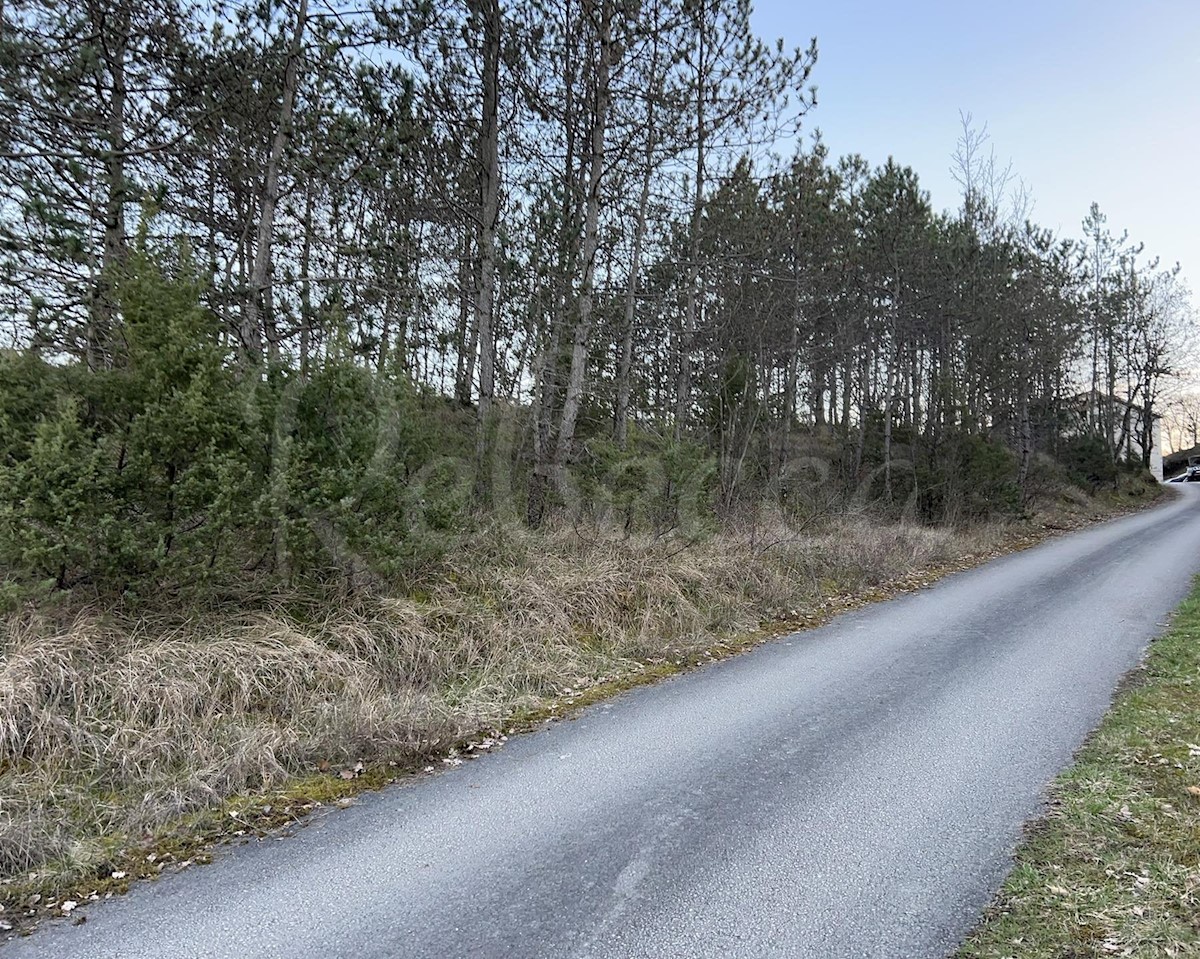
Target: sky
(1094, 100)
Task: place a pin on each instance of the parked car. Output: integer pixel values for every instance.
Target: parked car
(1193, 470)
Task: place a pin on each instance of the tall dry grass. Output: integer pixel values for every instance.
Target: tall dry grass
(110, 729)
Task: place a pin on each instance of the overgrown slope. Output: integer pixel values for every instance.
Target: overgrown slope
(116, 727)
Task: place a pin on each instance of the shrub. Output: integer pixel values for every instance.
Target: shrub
(364, 480)
(655, 483)
(170, 471)
(1088, 462)
(134, 474)
(968, 478)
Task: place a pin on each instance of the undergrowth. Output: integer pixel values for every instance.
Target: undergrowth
(120, 732)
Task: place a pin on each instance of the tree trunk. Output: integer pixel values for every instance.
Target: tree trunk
(590, 241)
(467, 333)
(1025, 434)
(788, 405)
(306, 311)
(683, 387)
(489, 211)
(887, 428)
(625, 361)
(100, 325)
(251, 332)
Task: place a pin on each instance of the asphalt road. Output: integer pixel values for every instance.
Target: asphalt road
(854, 791)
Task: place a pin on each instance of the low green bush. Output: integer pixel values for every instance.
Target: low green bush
(167, 471)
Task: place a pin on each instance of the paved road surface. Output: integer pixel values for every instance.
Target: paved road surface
(854, 791)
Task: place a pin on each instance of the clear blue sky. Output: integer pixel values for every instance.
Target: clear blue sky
(1095, 100)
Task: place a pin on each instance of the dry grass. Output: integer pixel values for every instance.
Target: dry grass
(109, 731)
(112, 730)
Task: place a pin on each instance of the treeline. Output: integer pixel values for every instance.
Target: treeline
(299, 288)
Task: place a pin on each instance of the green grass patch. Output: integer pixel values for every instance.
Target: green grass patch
(1113, 869)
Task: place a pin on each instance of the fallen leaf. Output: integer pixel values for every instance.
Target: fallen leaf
(69, 905)
(347, 774)
(1194, 790)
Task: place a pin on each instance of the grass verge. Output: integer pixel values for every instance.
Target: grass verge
(1113, 869)
(130, 747)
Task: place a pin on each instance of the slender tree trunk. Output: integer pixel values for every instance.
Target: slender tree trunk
(591, 238)
(385, 333)
(887, 428)
(1025, 433)
(545, 400)
(100, 325)
(918, 389)
(489, 210)
(547, 362)
(625, 361)
(251, 333)
(114, 219)
(847, 381)
(790, 387)
(865, 408)
(625, 358)
(1110, 409)
(463, 333)
(683, 387)
(306, 310)
(408, 301)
